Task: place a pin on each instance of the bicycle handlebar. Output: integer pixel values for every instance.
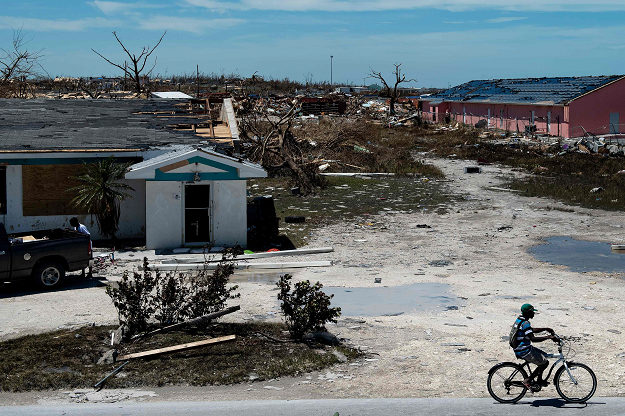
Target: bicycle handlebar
(559, 341)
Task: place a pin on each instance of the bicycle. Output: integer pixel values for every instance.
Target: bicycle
(574, 382)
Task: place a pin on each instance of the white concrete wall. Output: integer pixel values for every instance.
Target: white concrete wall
(163, 214)
(229, 210)
(131, 222)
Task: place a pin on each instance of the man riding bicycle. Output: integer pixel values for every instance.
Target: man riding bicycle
(525, 335)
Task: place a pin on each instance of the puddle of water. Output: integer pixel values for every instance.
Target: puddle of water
(580, 255)
(378, 301)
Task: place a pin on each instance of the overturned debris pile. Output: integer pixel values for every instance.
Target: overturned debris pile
(598, 145)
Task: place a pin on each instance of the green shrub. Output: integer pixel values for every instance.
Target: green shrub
(209, 291)
(133, 299)
(306, 308)
(174, 297)
(171, 298)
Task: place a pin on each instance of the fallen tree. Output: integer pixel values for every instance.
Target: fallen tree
(268, 139)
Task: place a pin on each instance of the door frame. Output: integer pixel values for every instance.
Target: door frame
(210, 213)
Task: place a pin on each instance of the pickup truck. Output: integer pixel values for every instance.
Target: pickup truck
(43, 256)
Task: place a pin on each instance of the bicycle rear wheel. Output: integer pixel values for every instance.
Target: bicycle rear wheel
(577, 387)
(505, 382)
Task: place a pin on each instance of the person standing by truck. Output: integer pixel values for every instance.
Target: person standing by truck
(81, 228)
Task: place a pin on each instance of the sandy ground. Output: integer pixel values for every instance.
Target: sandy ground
(432, 352)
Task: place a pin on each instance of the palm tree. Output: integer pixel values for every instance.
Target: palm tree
(100, 193)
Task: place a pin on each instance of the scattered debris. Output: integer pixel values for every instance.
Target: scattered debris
(109, 357)
(273, 388)
(340, 356)
(440, 263)
(321, 337)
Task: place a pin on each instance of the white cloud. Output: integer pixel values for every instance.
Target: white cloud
(112, 7)
(186, 24)
(379, 5)
(505, 19)
(61, 25)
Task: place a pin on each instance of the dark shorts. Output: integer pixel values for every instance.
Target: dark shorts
(536, 356)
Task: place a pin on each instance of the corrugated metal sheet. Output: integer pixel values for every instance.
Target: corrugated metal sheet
(540, 91)
(172, 95)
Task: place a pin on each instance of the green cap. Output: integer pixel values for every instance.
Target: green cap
(528, 308)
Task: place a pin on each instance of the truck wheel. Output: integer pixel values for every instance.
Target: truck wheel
(49, 275)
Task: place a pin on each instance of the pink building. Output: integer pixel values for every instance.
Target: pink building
(563, 106)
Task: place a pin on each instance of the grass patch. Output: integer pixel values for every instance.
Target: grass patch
(67, 359)
(351, 198)
(357, 146)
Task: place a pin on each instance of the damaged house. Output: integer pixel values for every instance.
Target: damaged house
(559, 106)
(187, 190)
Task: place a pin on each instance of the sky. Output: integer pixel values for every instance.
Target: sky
(439, 43)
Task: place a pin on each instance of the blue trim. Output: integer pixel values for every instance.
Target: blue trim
(62, 161)
(230, 173)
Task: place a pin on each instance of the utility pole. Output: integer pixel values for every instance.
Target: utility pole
(331, 83)
(197, 80)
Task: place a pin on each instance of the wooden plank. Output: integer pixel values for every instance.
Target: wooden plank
(222, 131)
(180, 347)
(174, 166)
(45, 189)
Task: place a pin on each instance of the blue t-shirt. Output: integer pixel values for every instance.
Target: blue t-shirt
(522, 336)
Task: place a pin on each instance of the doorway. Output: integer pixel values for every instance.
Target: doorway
(197, 213)
(614, 123)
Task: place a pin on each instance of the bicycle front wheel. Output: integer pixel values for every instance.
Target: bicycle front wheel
(576, 385)
(505, 382)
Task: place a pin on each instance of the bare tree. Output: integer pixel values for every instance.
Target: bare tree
(18, 65)
(391, 92)
(134, 71)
